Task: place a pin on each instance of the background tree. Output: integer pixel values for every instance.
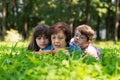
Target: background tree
(23, 15)
(88, 12)
(117, 20)
(3, 20)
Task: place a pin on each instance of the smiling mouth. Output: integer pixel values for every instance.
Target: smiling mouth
(75, 42)
(57, 46)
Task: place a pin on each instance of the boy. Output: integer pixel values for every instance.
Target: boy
(83, 38)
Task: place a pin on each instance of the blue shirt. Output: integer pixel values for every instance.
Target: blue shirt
(72, 48)
(47, 48)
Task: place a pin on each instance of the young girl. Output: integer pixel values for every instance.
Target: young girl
(60, 37)
(83, 38)
(40, 38)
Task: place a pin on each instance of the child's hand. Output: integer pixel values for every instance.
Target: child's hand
(54, 51)
(36, 52)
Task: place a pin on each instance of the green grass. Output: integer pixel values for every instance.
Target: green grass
(17, 63)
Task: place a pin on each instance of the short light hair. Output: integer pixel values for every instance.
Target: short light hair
(86, 30)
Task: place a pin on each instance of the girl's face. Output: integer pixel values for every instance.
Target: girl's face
(42, 42)
(80, 40)
(58, 40)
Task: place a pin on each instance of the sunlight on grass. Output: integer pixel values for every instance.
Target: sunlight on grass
(17, 63)
(104, 44)
(13, 35)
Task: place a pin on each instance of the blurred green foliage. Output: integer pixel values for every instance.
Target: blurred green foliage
(17, 63)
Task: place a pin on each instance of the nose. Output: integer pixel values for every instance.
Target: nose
(56, 40)
(42, 39)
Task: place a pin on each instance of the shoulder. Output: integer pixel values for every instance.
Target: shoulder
(93, 51)
(72, 46)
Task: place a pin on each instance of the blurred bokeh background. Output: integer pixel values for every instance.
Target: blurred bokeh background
(19, 17)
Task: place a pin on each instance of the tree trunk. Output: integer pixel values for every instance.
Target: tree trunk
(88, 11)
(116, 21)
(98, 28)
(25, 33)
(3, 27)
(25, 26)
(108, 20)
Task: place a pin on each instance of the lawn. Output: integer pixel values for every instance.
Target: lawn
(17, 63)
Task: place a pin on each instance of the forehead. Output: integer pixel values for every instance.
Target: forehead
(79, 33)
(60, 33)
(41, 35)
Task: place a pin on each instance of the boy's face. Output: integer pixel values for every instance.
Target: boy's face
(58, 40)
(42, 42)
(80, 40)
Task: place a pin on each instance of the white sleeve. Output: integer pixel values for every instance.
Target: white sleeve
(91, 50)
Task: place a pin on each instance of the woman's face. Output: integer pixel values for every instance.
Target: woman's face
(80, 40)
(58, 40)
(42, 42)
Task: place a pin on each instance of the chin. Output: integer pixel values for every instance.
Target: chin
(43, 47)
(57, 48)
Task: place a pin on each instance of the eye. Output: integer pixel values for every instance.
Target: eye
(53, 37)
(82, 37)
(61, 37)
(45, 37)
(76, 35)
(38, 38)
